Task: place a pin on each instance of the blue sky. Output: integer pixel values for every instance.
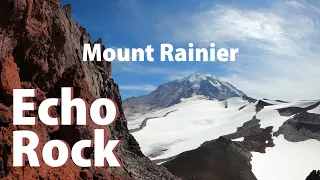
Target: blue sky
(278, 41)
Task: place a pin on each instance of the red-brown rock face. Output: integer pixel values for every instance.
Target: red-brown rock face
(41, 48)
(9, 78)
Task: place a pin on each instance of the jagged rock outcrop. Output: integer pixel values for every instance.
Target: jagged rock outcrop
(301, 127)
(314, 175)
(223, 158)
(9, 78)
(41, 48)
(218, 159)
(255, 138)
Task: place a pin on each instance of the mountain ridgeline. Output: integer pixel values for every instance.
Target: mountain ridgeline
(172, 92)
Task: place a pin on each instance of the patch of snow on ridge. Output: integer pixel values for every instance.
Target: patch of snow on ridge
(287, 160)
(274, 102)
(195, 86)
(235, 102)
(238, 139)
(194, 122)
(215, 83)
(315, 110)
(193, 98)
(196, 78)
(271, 117)
(301, 104)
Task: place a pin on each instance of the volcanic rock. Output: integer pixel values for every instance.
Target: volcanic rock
(9, 79)
(41, 48)
(314, 175)
(219, 159)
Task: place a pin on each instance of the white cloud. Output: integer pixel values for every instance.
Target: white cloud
(142, 87)
(279, 45)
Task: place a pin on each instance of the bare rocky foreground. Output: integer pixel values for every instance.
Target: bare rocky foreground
(41, 48)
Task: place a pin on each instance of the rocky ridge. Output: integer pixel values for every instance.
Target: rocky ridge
(223, 158)
(314, 175)
(41, 48)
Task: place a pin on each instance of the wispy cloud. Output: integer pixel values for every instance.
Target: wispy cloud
(279, 45)
(142, 87)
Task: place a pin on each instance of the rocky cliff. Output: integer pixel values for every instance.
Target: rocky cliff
(314, 175)
(41, 48)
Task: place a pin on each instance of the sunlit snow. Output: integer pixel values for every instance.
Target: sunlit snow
(287, 160)
(315, 110)
(185, 126)
(196, 120)
(238, 139)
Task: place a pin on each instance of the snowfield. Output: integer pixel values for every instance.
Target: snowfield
(287, 160)
(269, 116)
(185, 126)
(193, 122)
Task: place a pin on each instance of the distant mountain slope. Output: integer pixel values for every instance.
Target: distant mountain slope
(172, 92)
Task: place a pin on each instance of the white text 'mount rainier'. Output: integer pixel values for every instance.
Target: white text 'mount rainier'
(167, 53)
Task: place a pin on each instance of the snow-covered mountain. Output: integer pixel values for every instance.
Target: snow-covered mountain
(172, 92)
(236, 137)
